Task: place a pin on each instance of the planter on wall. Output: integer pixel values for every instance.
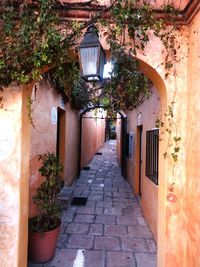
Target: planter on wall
(42, 246)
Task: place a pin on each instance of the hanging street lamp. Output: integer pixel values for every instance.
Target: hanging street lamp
(92, 57)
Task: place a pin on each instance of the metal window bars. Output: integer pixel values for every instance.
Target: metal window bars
(152, 153)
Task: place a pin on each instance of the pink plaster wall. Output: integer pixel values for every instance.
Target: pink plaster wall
(149, 111)
(44, 135)
(93, 137)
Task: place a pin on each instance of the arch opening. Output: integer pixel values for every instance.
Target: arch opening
(140, 121)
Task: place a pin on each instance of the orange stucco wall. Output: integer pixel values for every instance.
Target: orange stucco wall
(72, 145)
(146, 116)
(192, 205)
(44, 134)
(14, 172)
(93, 136)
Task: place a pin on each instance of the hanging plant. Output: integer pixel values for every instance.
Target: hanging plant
(32, 37)
(128, 87)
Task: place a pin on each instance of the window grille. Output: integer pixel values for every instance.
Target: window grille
(152, 150)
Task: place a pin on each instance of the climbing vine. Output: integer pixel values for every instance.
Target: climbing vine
(34, 37)
(29, 109)
(172, 148)
(31, 38)
(173, 140)
(172, 151)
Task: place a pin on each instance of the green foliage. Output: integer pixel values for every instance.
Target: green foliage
(135, 17)
(128, 87)
(80, 95)
(67, 81)
(45, 199)
(33, 36)
(29, 108)
(173, 148)
(30, 39)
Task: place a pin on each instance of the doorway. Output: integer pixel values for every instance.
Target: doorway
(60, 143)
(139, 157)
(124, 144)
(110, 129)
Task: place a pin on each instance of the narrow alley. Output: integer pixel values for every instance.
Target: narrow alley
(109, 231)
(77, 73)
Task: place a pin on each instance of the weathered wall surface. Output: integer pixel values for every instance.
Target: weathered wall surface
(171, 233)
(192, 146)
(145, 115)
(14, 173)
(44, 134)
(93, 136)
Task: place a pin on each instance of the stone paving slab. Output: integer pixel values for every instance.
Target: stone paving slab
(144, 260)
(77, 228)
(80, 241)
(85, 218)
(109, 231)
(107, 243)
(105, 219)
(97, 229)
(115, 230)
(134, 245)
(120, 259)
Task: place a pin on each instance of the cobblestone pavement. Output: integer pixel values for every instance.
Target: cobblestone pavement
(110, 230)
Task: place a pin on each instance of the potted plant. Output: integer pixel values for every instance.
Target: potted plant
(44, 228)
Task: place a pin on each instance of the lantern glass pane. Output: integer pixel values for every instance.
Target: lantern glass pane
(94, 78)
(89, 58)
(107, 70)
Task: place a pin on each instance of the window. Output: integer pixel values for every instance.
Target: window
(152, 145)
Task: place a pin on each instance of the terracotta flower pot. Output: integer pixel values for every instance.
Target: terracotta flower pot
(42, 245)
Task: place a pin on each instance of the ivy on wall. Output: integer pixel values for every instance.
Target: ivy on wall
(33, 36)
